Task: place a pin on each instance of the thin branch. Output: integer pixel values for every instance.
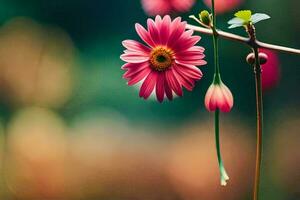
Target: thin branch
(244, 40)
(278, 48)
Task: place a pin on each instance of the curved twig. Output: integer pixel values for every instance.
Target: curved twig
(244, 40)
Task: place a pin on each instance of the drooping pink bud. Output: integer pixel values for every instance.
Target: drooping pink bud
(218, 96)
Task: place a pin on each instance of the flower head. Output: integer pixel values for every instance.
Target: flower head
(218, 96)
(222, 6)
(167, 62)
(162, 7)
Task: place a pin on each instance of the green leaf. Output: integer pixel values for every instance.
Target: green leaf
(235, 26)
(257, 17)
(236, 21)
(242, 18)
(244, 15)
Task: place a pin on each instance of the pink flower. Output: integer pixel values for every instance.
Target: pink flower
(218, 96)
(270, 70)
(222, 6)
(167, 62)
(162, 7)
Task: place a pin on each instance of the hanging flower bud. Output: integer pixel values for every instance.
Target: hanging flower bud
(218, 96)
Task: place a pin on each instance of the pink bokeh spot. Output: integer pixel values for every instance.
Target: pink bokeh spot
(218, 96)
(223, 6)
(167, 61)
(270, 70)
(163, 7)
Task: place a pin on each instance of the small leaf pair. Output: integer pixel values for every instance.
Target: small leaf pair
(245, 17)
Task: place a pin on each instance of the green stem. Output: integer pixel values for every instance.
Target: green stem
(215, 39)
(217, 80)
(223, 174)
(216, 54)
(259, 119)
(213, 12)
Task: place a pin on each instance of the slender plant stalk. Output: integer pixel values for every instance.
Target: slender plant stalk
(217, 80)
(244, 40)
(259, 109)
(223, 173)
(259, 119)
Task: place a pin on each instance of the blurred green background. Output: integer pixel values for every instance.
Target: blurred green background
(72, 129)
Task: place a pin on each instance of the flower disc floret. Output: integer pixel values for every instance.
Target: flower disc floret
(161, 58)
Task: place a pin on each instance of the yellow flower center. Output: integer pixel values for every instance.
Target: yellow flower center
(161, 58)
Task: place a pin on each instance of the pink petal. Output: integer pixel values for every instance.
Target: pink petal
(191, 58)
(160, 89)
(165, 29)
(196, 62)
(216, 95)
(208, 97)
(153, 31)
(185, 82)
(177, 29)
(139, 53)
(190, 71)
(186, 41)
(191, 54)
(173, 83)
(136, 46)
(195, 49)
(134, 57)
(131, 73)
(158, 21)
(144, 35)
(128, 66)
(168, 90)
(184, 74)
(139, 76)
(227, 100)
(148, 85)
